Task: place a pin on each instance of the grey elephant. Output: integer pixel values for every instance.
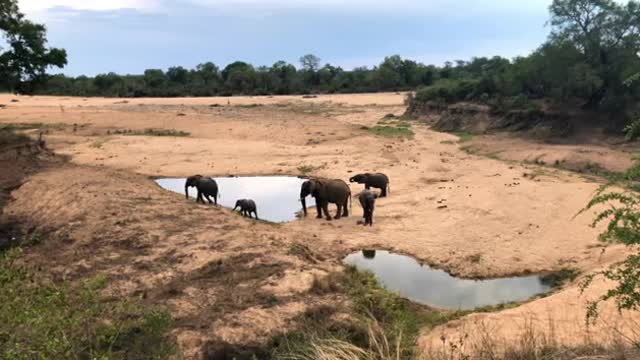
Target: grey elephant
(369, 254)
(247, 207)
(368, 202)
(373, 180)
(326, 191)
(206, 187)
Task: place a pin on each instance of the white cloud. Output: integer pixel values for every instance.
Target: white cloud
(388, 6)
(96, 5)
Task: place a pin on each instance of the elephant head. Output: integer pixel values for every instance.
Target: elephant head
(239, 204)
(191, 181)
(360, 178)
(308, 187)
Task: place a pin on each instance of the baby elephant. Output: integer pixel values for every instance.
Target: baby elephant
(247, 207)
(368, 202)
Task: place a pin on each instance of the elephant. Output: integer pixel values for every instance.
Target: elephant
(369, 254)
(375, 180)
(368, 202)
(206, 187)
(326, 191)
(247, 207)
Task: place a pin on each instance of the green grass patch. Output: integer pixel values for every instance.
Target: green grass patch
(43, 319)
(153, 132)
(33, 126)
(463, 136)
(392, 131)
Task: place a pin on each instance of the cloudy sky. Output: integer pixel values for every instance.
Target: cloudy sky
(129, 36)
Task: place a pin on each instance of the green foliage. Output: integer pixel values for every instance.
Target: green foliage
(24, 63)
(42, 319)
(392, 131)
(622, 214)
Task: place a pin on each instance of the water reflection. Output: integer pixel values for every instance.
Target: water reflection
(429, 286)
(277, 197)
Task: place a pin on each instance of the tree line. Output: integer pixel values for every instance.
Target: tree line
(241, 78)
(589, 61)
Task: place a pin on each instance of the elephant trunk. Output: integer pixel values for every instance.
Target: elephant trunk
(303, 200)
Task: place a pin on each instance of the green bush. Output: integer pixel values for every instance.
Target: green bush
(449, 91)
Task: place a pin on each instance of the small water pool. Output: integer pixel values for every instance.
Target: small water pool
(428, 286)
(277, 197)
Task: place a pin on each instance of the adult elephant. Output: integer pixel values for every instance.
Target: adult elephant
(206, 187)
(326, 191)
(373, 180)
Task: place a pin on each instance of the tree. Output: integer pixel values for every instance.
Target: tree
(178, 75)
(310, 62)
(239, 77)
(25, 62)
(284, 76)
(605, 32)
(208, 72)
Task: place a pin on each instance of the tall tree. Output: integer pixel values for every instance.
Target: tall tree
(604, 31)
(310, 62)
(26, 59)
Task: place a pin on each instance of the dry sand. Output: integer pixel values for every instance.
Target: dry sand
(515, 218)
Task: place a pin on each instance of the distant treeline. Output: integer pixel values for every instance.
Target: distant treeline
(590, 60)
(240, 78)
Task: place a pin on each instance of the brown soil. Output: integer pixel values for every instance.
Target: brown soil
(230, 280)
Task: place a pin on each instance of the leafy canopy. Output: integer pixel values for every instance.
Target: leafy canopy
(24, 61)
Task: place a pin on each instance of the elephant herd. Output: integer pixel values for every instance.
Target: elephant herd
(324, 191)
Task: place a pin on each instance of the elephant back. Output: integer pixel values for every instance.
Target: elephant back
(208, 184)
(337, 190)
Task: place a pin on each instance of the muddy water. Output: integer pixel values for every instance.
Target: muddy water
(429, 286)
(277, 197)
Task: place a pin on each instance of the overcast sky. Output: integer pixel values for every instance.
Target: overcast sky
(129, 36)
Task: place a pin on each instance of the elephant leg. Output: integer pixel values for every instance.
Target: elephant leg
(345, 211)
(367, 187)
(209, 199)
(319, 209)
(339, 212)
(325, 207)
(215, 199)
(256, 214)
(199, 198)
(384, 192)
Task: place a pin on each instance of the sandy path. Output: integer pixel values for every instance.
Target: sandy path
(515, 218)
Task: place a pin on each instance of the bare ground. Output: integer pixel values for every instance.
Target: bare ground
(232, 280)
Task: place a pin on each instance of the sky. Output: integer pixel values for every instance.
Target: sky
(129, 36)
